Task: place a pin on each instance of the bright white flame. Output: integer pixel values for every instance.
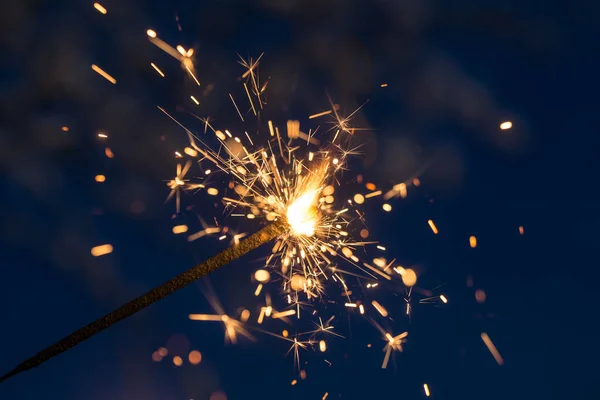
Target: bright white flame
(302, 214)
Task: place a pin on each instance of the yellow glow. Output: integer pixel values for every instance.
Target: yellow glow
(262, 275)
(297, 282)
(180, 229)
(322, 346)
(102, 250)
(409, 278)
(426, 389)
(473, 242)
(302, 214)
(433, 227)
(103, 74)
(99, 7)
(506, 125)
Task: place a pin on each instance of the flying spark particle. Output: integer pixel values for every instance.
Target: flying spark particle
(320, 114)
(100, 178)
(444, 299)
(157, 70)
(473, 242)
(426, 389)
(177, 361)
(322, 346)
(262, 275)
(490, 345)
(480, 296)
(102, 250)
(102, 135)
(212, 191)
(180, 229)
(103, 74)
(409, 278)
(384, 85)
(506, 125)
(99, 7)
(195, 357)
(433, 227)
(108, 152)
(387, 207)
(294, 382)
(373, 194)
(359, 198)
(65, 129)
(151, 33)
(521, 230)
(380, 308)
(194, 100)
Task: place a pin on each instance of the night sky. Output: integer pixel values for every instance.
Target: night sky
(454, 71)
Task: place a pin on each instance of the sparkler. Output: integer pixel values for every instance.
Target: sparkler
(289, 181)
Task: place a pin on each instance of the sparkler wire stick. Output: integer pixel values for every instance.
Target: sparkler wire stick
(228, 255)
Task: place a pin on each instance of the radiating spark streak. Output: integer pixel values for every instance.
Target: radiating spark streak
(384, 85)
(490, 345)
(433, 227)
(444, 299)
(250, 99)
(380, 308)
(282, 314)
(157, 70)
(202, 233)
(236, 107)
(103, 74)
(320, 114)
(386, 276)
(194, 100)
(100, 8)
(372, 194)
(192, 75)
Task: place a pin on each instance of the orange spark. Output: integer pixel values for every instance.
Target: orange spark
(433, 227)
(99, 7)
(103, 74)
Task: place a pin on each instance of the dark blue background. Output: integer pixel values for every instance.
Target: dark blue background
(454, 71)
